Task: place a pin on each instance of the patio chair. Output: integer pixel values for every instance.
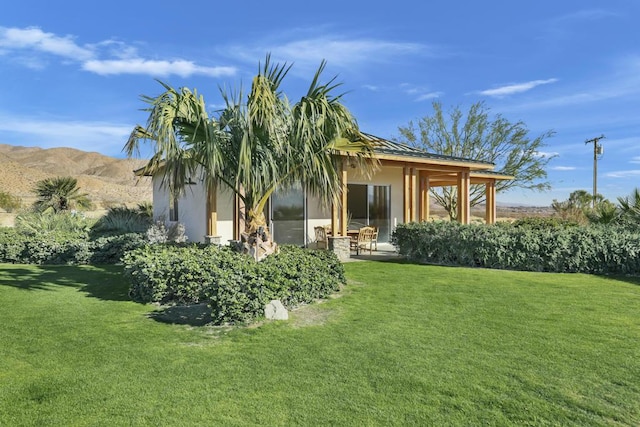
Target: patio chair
(321, 237)
(374, 239)
(364, 238)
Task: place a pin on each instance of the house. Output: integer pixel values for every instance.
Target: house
(397, 193)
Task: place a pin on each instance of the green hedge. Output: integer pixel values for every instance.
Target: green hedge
(586, 249)
(236, 287)
(53, 247)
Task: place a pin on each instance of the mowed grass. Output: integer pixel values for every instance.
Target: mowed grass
(403, 345)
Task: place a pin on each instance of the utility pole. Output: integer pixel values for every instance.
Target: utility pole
(597, 150)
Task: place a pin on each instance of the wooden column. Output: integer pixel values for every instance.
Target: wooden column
(424, 196)
(414, 194)
(335, 226)
(464, 207)
(212, 210)
(409, 187)
(490, 202)
(344, 215)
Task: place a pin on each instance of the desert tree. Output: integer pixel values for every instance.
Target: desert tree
(478, 136)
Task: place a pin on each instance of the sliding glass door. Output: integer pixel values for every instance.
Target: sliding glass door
(370, 205)
(288, 216)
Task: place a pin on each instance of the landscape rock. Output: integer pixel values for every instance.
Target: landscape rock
(276, 311)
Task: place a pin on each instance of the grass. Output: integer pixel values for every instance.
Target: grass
(403, 345)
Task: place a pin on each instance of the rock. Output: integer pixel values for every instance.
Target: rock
(275, 311)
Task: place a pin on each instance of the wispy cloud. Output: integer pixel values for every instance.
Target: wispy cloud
(623, 174)
(563, 168)
(108, 57)
(154, 68)
(338, 51)
(514, 88)
(430, 95)
(620, 81)
(104, 136)
(635, 160)
(34, 39)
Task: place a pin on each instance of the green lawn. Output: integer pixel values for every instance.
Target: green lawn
(403, 345)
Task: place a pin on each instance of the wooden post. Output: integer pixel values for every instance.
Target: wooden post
(344, 215)
(334, 218)
(464, 208)
(413, 190)
(406, 198)
(212, 210)
(424, 196)
(490, 202)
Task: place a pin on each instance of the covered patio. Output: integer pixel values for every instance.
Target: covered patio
(420, 172)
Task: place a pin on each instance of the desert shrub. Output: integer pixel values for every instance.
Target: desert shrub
(121, 219)
(588, 249)
(236, 287)
(31, 222)
(158, 232)
(542, 223)
(9, 202)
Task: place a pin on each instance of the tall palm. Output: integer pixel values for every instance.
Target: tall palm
(61, 194)
(255, 146)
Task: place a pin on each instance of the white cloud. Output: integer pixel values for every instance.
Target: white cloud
(635, 160)
(515, 88)
(108, 57)
(623, 174)
(563, 168)
(337, 51)
(427, 96)
(153, 68)
(33, 38)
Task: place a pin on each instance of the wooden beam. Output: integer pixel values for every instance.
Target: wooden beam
(335, 226)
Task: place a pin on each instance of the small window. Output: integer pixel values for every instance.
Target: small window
(173, 207)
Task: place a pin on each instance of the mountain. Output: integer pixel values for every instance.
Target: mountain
(106, 180)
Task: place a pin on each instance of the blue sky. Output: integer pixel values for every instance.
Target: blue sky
(71, 73)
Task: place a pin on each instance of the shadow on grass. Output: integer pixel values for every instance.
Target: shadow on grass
(102, 282)
(192, 315)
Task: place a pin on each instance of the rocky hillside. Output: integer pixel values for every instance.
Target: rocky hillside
(106, 180)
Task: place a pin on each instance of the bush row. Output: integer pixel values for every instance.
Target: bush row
(64, 247)
(236, 287)
(586, 249)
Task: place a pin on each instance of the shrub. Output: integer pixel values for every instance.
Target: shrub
(49, 221)
(588, 249)
(121, 219)
(9, 202)
(236, 287)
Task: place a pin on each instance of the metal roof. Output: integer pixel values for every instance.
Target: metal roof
(384, 146)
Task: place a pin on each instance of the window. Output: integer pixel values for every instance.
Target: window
(173, 207)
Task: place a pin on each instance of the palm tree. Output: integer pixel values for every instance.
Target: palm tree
(61, 194)
(255, 146)
(630, 206)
